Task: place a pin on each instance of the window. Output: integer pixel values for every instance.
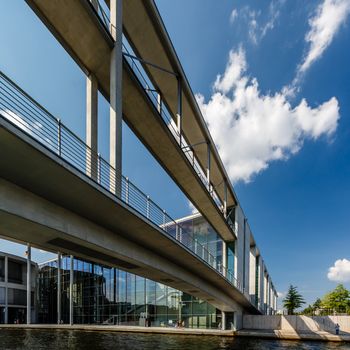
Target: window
(2, 295)
(2, 269)
(15, 272)
(17, 297)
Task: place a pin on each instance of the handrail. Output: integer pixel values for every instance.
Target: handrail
(28, 115)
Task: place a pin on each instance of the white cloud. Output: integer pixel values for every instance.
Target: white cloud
(281, 294)
(256, 30)
(233, 16)
(252, 129)
(330, 15)
(340, 272)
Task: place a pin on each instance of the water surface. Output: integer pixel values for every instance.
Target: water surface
(33, 339)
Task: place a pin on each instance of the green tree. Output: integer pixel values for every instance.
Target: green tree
(338, 299)
(317, 304)
(293, 300)
(309, 311)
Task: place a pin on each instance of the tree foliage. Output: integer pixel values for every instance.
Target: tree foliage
(293, 300)
(338, 299)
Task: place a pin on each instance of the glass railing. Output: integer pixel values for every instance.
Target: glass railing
(18, 108)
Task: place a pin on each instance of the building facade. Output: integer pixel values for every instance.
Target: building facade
(13, 289)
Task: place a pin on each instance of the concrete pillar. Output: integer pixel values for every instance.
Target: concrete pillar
(179, 108)
(252, 270)
(6, 289)
(91, 125)
(224, 259)
(116, 112)
(223, 320)
(71, 277)
(262, 283)
(59, 288)
(225, 199)
(29, 283)
(208, 166)
(159, 103)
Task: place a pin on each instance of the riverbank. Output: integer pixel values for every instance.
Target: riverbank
(290, 335)
(259, 334)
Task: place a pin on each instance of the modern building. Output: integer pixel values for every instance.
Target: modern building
(79, 204)
(13, 289)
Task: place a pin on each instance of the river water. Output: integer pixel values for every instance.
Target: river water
(75, 340)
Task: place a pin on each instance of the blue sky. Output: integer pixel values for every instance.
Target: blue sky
(251, 64)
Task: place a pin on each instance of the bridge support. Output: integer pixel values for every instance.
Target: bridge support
(29, 283)
(91, 125)
(6, 290)
(71, 276)
(116, 113)
(59, 293)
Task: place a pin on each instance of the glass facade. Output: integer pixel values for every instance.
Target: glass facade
(106, 295)
(206, 236)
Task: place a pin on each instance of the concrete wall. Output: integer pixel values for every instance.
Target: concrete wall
(296, 323)
(252, 269)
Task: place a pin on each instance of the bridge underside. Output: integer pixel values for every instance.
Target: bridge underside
(47, 202)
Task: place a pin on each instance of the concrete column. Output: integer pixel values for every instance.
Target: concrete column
(262, 283)
(159, 103)
(59, 288)
(91, 125)
(29, 283)
(179, 108)
(252, 270)
(6, 289)
(208, 165)
(224, 258)
(223, 320)
(116, 112)
(71, 277)
(225, 199)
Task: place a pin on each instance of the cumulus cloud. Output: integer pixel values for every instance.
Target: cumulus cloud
(252, 129)
(234, 15)
(324, 25)
(330, 15)
(340, 272)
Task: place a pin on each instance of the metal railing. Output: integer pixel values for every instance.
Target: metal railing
(17, 107)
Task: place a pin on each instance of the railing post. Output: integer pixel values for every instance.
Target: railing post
(59, 136)
(164, 220)
(148, 208)
(127, 190)
(99, 168)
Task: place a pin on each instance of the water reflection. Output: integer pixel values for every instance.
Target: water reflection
(76, 340)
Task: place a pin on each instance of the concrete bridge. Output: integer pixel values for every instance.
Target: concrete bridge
(58, 194)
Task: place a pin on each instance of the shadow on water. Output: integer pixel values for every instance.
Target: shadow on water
(82, 340)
